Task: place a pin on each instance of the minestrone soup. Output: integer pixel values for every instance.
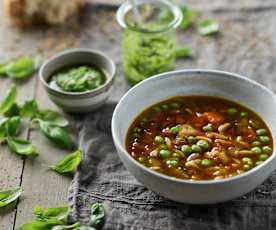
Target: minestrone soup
(199, 138)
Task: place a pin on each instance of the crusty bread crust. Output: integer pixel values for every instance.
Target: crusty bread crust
(31, 12)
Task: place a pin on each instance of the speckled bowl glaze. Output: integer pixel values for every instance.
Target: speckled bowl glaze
(83, 101)
(185, 83)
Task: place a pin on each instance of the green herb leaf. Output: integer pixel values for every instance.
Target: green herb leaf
(29, 109)
(41, 225)
(187, 17)
(208, 27)
(13, 111)
(63, 227)
(60, 213)
(8, 100)
(53, 117)
(56, 134)
(20, 68)
(97, 216)
(3, 70)
(69, 163)
(12, 125)
(21, 146)
(7, 197)
(183, 52)
(3, 132)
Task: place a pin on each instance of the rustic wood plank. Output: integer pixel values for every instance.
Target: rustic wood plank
(41, 186)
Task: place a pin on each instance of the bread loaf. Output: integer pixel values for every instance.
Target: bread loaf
(53, 12)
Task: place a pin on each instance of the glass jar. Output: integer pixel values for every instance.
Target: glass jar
(149, 37)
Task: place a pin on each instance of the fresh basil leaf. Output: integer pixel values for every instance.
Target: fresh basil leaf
(3, 70)
(8, 100)
(69, 163)
(85, 228)
(29, 109)
(41, 225)
(184, 52)
(56, 134)
(63, 227)
(187, 17)
(12, 126)
(14, 110)
(97, 216)
(7, 197)
(53, 117)
(60, 213)
(3, 132)
(21, 146)
(208, 27)
(20, 68)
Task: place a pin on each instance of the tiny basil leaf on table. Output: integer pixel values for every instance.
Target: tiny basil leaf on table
(8, 101)
(60, 213)
(53, 117)
(208, 27)
(41, 225)
(63, 227)
(12, 125)
(21, 146)
(7, 197)
(97, 216)
(187, 17)
(69, 163)
(183, 52)
(56, 134)
(13, 111)
(3, 132)
(29, 109)
(20, 68)
(2, 70)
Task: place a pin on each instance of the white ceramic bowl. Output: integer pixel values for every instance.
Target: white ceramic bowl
(195, 82)
(83, 101)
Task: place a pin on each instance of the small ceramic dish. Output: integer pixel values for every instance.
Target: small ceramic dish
(81, 101)
(189, 83)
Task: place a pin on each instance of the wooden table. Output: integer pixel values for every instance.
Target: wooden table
(97, 29)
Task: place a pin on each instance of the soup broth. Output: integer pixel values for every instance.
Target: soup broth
(199, 138)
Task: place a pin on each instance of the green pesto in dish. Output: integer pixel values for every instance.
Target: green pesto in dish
(199, 138)
(80, 78)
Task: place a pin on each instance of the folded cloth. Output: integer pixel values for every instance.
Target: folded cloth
(129, 205)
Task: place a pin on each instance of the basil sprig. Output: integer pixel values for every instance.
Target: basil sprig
(9, 196)
(19, 68)
(8, 101)
(68, 164)
(97, 216)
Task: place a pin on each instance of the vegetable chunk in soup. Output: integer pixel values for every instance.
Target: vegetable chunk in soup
(199, 138)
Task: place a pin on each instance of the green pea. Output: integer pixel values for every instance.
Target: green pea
(246, 167)
(261, 132)
(256, 143)
(264, 139)
(165, 153)
(175, 129)
(243, 114)
(142, 160)
(164, 107)
(191, 140)
(208, 128)
(173, 163)
(186, 149)
(257, 150)
(267, 150)
(232, 111)
(205, 162)
(163, 146)
(259, 162)
(203, 144)
(247, 160)
(159, 139)
(156, 109)
(137, 130)
(174, 105)
(196, 149)
(263, 157)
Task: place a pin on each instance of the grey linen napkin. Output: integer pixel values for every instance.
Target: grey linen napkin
(129, 205)
(247, 45)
